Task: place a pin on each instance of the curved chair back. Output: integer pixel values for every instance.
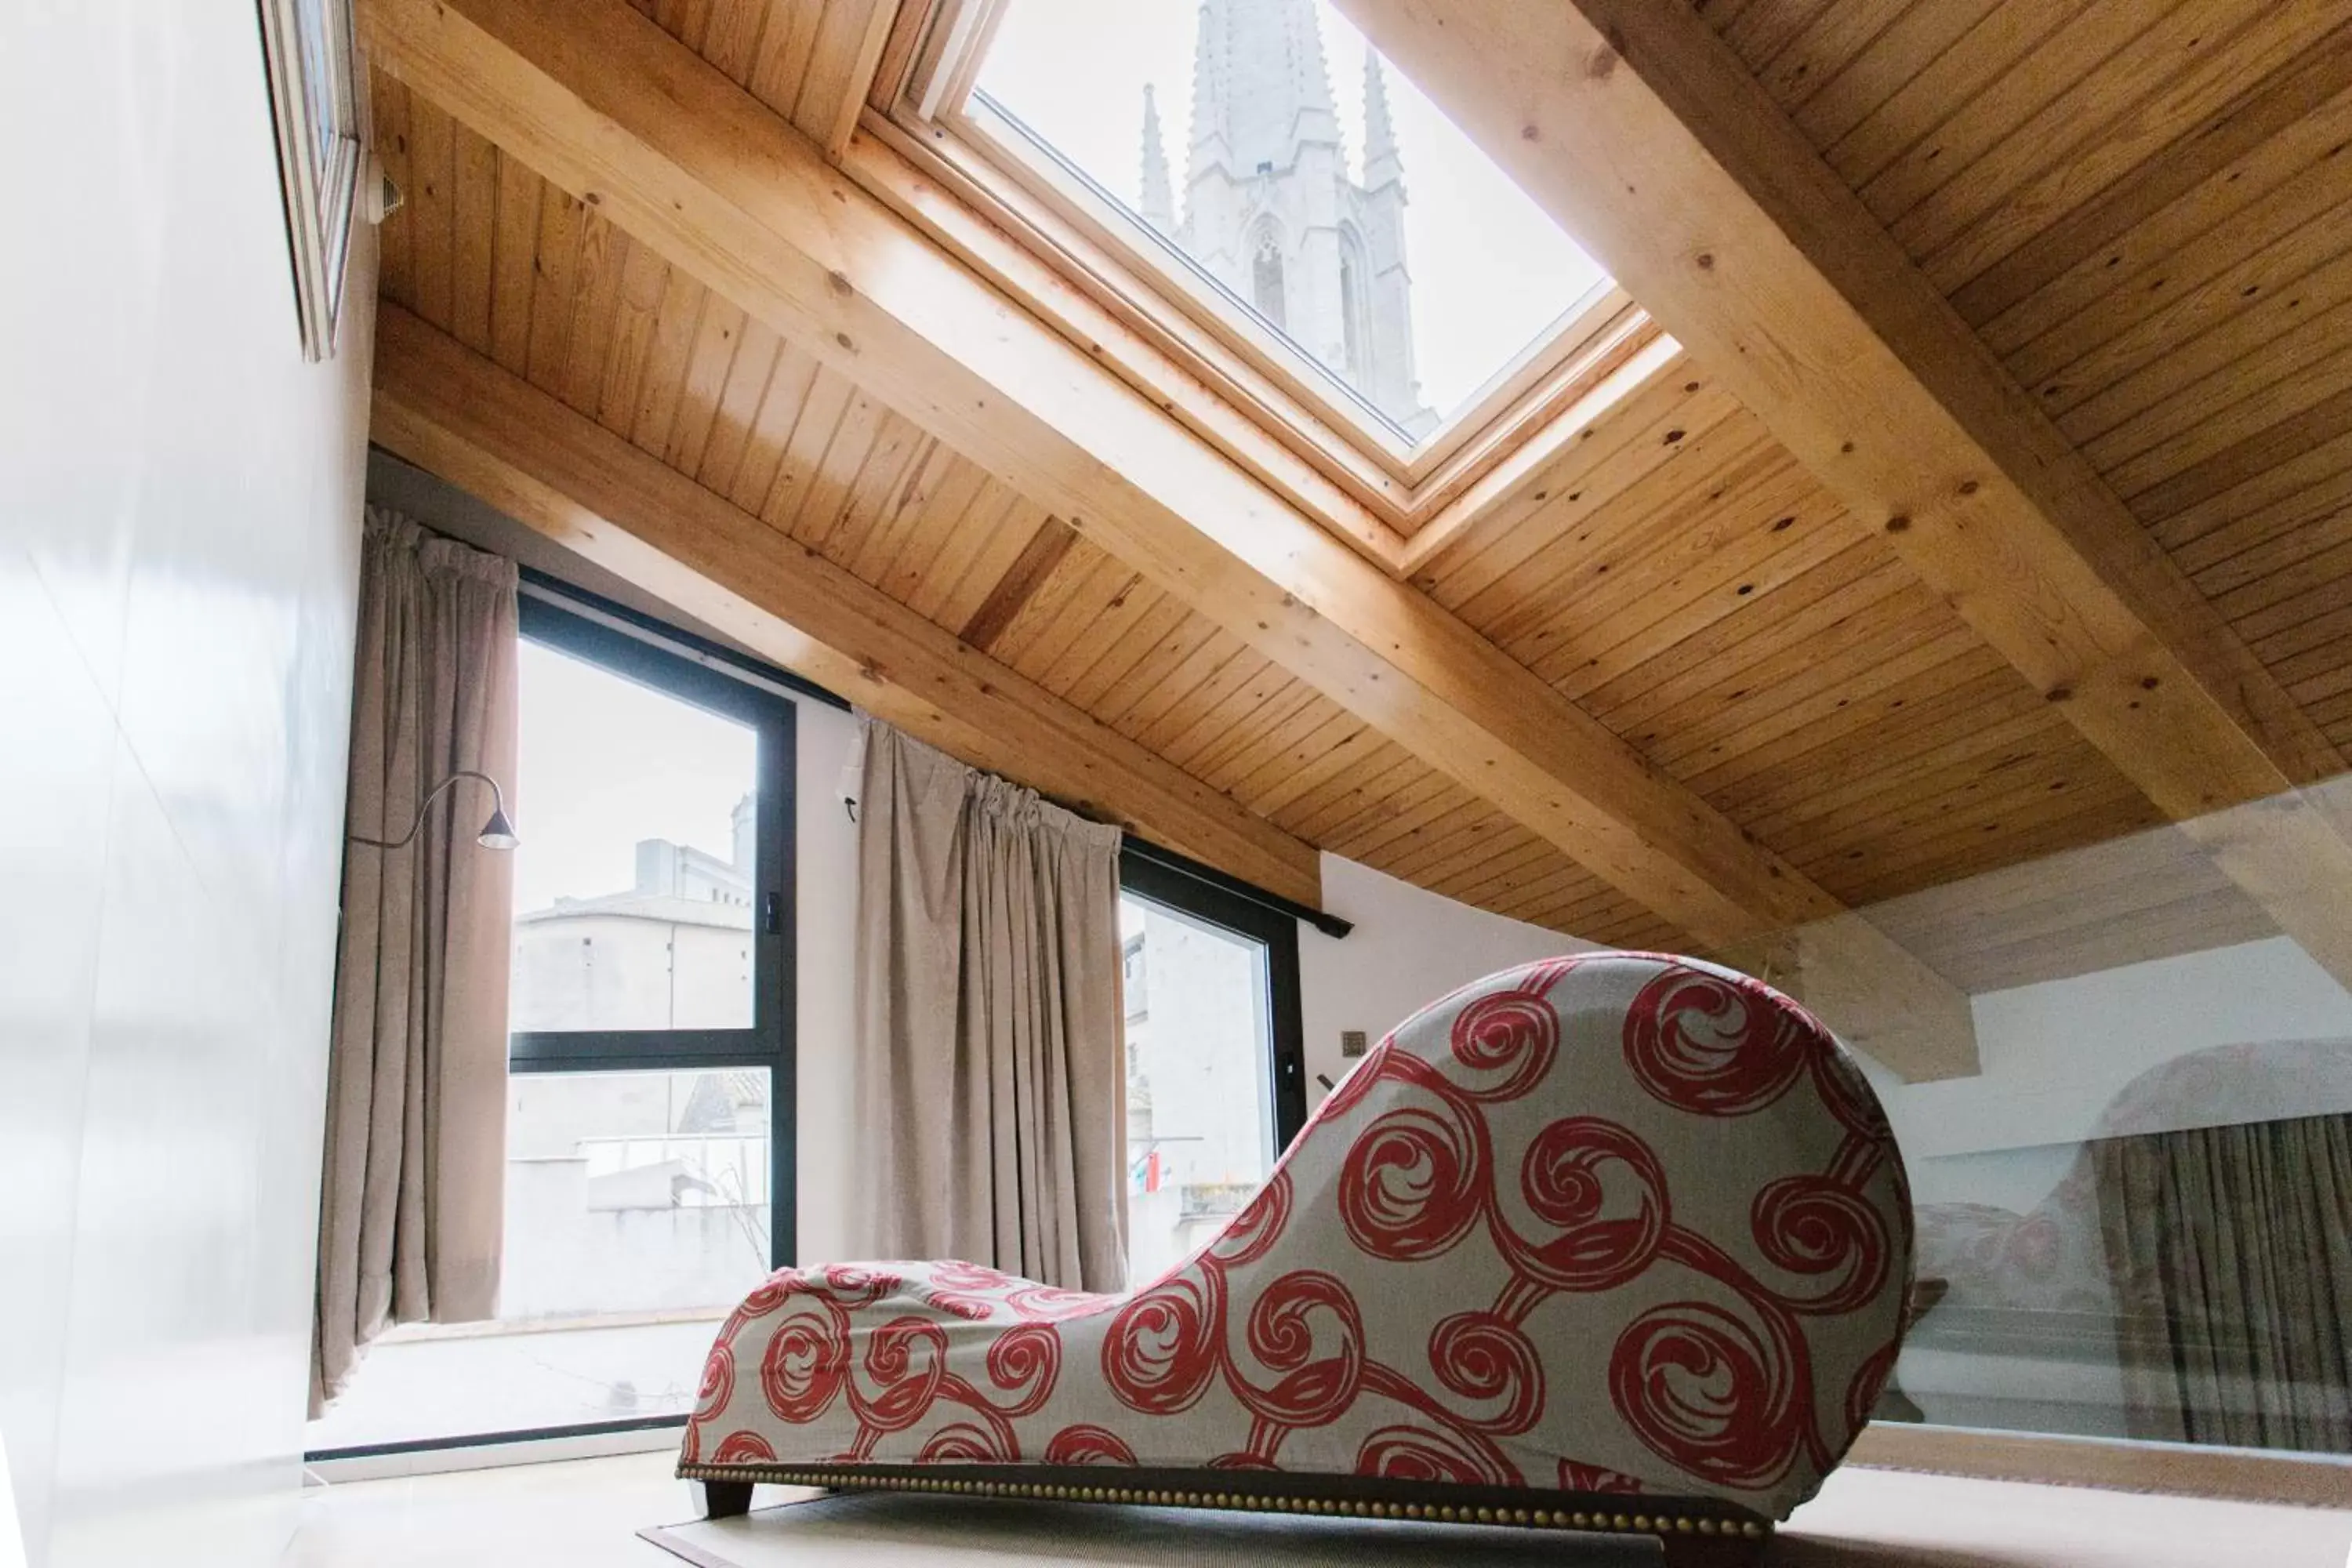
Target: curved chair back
(1609, 1223)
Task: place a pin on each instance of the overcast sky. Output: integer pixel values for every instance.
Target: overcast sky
(604, 763)
(1490, 271)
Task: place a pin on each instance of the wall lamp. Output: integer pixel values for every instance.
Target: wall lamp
(498, 833)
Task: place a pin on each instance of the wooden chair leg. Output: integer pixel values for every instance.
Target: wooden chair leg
(1711, 1551)
(725, 1500)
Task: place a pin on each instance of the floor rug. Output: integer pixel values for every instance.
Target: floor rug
(1863, 1519)
(869, 1529)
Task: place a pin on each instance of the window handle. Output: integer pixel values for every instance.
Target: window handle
(771, 914)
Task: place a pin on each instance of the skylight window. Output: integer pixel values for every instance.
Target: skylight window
(1286, 168)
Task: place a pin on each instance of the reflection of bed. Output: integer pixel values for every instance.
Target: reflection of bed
(1614, 1242)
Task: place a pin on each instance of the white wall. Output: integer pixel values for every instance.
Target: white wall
(178, 574)
(2055, 1054)
(828, 929)
(1409, 947)
(12, 1535)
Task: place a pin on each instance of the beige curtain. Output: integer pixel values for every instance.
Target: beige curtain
(990, 1081)
(2231, 1251)
(411, 1210)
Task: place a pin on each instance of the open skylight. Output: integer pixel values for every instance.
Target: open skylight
(1301, 177)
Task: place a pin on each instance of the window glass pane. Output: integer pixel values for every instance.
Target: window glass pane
(2135, 1213)
(634, 1191)
(1266, 141)
(633, 883)
(638, 1214)
(1200, 1115)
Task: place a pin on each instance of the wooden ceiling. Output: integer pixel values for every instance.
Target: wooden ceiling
(2141, 206)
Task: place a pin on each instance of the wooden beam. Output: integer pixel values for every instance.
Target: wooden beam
(1641, 130)
(610, 108)
(1019, 585)
(839, 77)
(447, 409)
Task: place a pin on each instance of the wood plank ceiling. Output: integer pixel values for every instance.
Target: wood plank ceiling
(2138, 204)
(2142, 207)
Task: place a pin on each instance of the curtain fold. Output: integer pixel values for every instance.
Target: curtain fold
(411, 1219)
(991, 1077)
(2230, 1253)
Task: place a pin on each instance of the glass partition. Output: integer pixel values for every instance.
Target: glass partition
(2134, 1206)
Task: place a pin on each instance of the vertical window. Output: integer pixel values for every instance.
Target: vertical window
(1266, 279)
(649, 1097)
(1214, 1052)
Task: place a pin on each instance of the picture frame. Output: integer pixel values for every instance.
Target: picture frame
(316, 105)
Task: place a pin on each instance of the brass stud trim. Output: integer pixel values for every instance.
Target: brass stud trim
(850, 1480)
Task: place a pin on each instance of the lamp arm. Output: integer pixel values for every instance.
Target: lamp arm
(498, 798)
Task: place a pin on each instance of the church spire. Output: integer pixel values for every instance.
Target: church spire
(1159, 203)
(1212, 149)
(1381, 164)
(1260, 87)
(1270, 212)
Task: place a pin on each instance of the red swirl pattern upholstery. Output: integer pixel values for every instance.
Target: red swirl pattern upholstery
(1615, 1223)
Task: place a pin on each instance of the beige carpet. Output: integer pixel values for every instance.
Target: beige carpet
(1863, 1519)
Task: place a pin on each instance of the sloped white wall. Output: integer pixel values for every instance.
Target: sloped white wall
(179, 538)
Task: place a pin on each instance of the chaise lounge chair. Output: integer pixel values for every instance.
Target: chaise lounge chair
(1617, 1242)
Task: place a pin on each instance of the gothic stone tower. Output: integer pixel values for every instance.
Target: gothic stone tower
(1269, 208)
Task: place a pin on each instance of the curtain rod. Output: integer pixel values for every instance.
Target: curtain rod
(1330, 925)
(713, 656)
(644, 628)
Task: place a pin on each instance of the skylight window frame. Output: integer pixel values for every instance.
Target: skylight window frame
(925, 107)
(1000, 137)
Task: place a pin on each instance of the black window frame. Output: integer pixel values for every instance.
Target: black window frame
(1206, 895)
(772, 1040)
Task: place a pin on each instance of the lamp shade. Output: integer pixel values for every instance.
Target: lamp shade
(498, 833)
